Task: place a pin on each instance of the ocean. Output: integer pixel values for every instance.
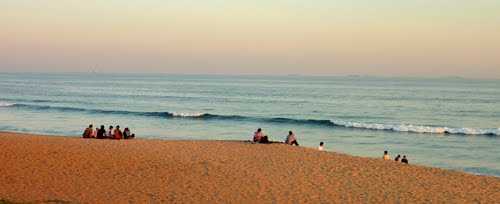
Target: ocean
(450, 123)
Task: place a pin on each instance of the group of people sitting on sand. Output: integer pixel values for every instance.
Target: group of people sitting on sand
(112, 133)
(397, 159)
(259, 137)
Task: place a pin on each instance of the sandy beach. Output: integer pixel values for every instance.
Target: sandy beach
(36, 168)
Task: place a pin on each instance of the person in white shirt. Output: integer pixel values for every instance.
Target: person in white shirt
(386, 156)
(111, 132)
(321, 146)
(291, 139)
(94, 133)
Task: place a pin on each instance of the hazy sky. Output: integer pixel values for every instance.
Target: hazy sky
(382, 37)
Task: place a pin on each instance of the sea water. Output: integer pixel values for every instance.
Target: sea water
(451, 123)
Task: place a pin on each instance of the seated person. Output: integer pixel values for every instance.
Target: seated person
(386, 156)
(321, 146)
(291, 139)
(257, 136)
(264, 140)
(111, 133)
(404, 160)
(397, 158)
(88, 132)
(127, 134)
(118, 133)
(94, 133)
(101, 133)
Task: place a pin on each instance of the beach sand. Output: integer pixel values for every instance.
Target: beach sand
(37, 168)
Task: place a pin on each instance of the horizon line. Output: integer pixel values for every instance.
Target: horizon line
(255, 74)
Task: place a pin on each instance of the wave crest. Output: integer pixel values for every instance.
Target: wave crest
(181, 114)
(327, 123)
(6, 104)
(419, 128)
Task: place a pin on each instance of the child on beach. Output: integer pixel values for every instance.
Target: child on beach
(386, 156)
(291, 139)
(321, 146)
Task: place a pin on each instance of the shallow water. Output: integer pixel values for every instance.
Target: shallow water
(443, 122)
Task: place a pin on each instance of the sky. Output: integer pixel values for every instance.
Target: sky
(321, 37)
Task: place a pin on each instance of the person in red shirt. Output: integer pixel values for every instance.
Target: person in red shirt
(88, 132)
(118, 133)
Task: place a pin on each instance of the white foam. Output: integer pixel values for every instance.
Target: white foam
(181, 114)
(6, 104)
(418, 128)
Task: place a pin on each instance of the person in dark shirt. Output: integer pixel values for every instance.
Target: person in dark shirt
(404, 160)
(397, 158)
(101, 133)
(127, 134)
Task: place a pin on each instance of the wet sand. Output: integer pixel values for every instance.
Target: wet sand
(37, 168)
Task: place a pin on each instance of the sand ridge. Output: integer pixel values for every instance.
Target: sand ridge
(37, 168)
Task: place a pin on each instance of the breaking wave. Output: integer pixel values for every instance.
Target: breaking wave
(316, 122)
(6, 104)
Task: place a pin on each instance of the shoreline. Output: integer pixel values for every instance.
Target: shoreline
(40, 168)
(238, 141)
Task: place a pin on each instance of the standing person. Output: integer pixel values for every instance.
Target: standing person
(258, 135)
(397, 158)
(101, 133)
(88, 132)
(321, 146)
(111, 133)
(118, 133)
(386, 155)
(291, 139)
(404, 160)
